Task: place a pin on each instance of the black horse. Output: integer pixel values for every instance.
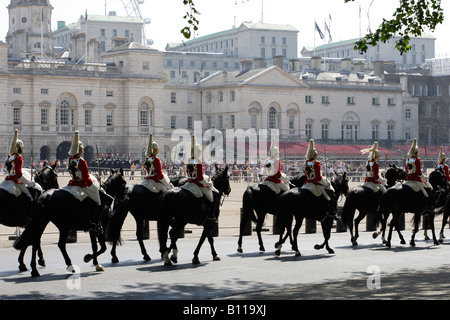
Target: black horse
(401, 199)
(301, 203)
(261, 199)
(366, 201)
(439, 183)
(67, 213)
(180, 207)
(17, 212)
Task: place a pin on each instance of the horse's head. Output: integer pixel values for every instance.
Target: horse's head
(115, 185)
(47, 178)
(438, 180)
(298, 181)
(340, 183)
(221, 180)
(394, 174)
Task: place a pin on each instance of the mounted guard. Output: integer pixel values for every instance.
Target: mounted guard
(313, 172)
(17, 181)
(276, 180)
(414, 176)
(83, 185)
(373, 180)
(199, 184)
(155, 180)
(442, 165)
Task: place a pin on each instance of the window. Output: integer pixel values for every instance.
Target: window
(220, 96)
(391, 102)
(208, 122)
(173, 97)
(291, 122)
(308, 130)
(88, 93)
(110, 93)
(209, 97)
(272, 118)
(274, 40)
(44, 117)
(189, 97)
(390, 132)
(64, 113)
(263, 52)
(375, 132)
(263, 40)
(407, 135)
(190, 122)
(274, 52)
(233, 95)
(376, 101)
(143, 115)
(232, 121)
(109, 118)
(325, 100)
(44, 91)
(145, 65)
(308, 99)
(408, 114)
(127, 33)
(439, 90)
(253, 121)
(114, 33)
(16, 116)
(284, 41)
(88, 117)
(173, 122)
(102, 32)
(350, 100)
(17, 90)
(324, 131)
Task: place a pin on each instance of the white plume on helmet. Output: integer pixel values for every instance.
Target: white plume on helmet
(373, 152)
(15, 143)
(442, 156)
(414, 148)
(311, 152)
(76, 144)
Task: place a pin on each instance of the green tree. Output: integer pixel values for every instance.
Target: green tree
(411, 18)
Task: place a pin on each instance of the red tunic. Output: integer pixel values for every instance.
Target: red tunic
(85, 180)
(276, 177)
(317, 173)
(158, 175)
(18, 163)
(415, 176)
(199, 177)
(375, 177)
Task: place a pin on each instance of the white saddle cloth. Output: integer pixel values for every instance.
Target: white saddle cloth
(81, 194)
(12, 187)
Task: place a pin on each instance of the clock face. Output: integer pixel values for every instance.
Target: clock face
(24, 20)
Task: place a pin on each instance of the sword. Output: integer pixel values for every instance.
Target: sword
(98, 166)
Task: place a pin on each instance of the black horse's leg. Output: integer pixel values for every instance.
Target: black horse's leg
(41, 260)
(114, 258)
(174, 234)
(259, 225)
(63, 233)
(140, 238)
(360, 217)
(211, 244)
(391, 226)
(196, 260)
(34, 271)
(297, 227)
(22, 266)
(326, 230)
(444, 222)
(95, 251)
(435, 241)
(416, 229)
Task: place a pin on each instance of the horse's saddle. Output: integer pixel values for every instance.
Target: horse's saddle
(314, 189)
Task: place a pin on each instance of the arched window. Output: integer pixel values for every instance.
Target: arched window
(143, 115)
(272, 118)
(64, 113)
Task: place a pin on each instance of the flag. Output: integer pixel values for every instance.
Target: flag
(85, 16)
(319, 31)
(42, 16)
(327, 29)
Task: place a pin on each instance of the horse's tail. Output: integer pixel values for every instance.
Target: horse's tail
(116, 222)
(247, 206)
(33, 230)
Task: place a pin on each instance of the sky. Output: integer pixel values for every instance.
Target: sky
(217, 15)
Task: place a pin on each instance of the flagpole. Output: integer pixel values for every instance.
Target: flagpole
(314, 38)
(86, 45)
(42, 35)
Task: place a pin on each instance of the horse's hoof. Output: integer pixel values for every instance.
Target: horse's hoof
(402, 242)
(297, 253)
(87, 258)
(375, 235)
(174, 259)
(41, 262)
(23, 268)
(330, 251)
(317, 247)
(354, 243)
(195, 260)
(427, 238)
(115, 260)
(35, 274)
(278, 252)
(436, 243)
(239, 249)
(147, 257)
(98, 267)
(168, 263)
(262, 249)
(216, 258)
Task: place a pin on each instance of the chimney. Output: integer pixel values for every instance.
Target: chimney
(225, 75)
(278, 61)
(259, 63)
(294, 65)
(246, 65)
(316, 63)
(378, 69)
(346, 64)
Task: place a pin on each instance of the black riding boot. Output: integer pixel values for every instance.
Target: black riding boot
(95, 223)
